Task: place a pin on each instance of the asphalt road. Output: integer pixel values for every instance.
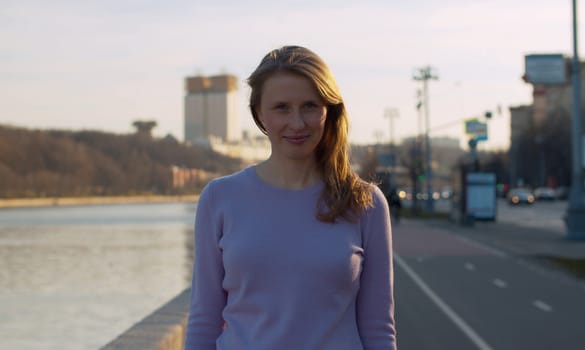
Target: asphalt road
(454, 293)
(543, 214)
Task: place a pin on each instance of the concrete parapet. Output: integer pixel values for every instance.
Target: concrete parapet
(164, 329)
(63, 201)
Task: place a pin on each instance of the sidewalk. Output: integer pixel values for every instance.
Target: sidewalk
(508, 238)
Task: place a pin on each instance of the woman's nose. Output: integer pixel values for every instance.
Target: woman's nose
(297, 120)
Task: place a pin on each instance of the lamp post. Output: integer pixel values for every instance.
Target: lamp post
(391, 113)
(378, 136)
(575, 218)
(425, 74)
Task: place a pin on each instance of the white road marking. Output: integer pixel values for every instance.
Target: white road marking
(469, 266)
(500, 283)
(459, 322)
(542, 306)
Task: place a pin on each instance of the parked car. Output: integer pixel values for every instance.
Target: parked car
(520, 196)
(544, 193)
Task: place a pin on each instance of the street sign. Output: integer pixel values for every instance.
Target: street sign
(548, 69)
(476, 129)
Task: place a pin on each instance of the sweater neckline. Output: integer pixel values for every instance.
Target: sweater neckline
(316, 187)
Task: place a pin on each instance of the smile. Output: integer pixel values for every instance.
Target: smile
(296, 139)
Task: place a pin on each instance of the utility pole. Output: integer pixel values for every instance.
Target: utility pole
(418, 149)
(419, 104)
(575, 218)
(378, 136)
(391, 113)
(425, 74)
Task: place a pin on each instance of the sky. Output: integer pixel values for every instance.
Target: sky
(101, 65)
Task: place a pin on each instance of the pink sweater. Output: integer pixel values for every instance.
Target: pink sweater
(280, 279)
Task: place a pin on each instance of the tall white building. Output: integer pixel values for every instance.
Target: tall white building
(211, 109)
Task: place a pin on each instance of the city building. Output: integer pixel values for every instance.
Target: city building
(520, 125)
(212, 119)
(445, 153)
(211, 109)
(540, 134)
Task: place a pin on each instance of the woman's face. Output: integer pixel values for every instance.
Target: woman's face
(293, 115)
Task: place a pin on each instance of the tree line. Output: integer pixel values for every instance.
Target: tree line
(53, 163)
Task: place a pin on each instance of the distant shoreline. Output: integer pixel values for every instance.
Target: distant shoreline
(70, 201)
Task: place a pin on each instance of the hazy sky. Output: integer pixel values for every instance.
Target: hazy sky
(103, 64)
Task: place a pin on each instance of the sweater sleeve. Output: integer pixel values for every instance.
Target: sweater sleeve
(375, 300)
(208, 298)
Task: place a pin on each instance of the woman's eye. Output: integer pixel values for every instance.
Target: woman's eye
(281, 107)
(311, 105)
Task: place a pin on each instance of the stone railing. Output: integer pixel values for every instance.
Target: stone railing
(164, 329)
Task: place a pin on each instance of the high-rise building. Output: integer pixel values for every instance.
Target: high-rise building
(211, 109)
(540, 134)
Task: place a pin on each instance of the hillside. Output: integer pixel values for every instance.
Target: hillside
(55, 163)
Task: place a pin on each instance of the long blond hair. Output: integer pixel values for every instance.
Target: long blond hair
(345, 194)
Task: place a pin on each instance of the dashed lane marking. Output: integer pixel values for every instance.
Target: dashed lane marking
(469, 266)
(542, 306)
(500, 283)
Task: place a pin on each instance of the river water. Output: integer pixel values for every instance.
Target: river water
(76, 277)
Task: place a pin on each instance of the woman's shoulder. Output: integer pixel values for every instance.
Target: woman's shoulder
(378, 198)
(373, 189)
(237, 179)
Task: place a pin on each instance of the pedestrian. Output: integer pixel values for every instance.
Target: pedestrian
(295, 252)
(395, 205)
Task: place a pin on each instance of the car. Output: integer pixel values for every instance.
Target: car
(544, 193)
(520, 196)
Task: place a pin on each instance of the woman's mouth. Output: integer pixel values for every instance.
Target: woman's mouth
(297, 140)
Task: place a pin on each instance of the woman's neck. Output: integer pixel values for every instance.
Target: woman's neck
(291, 175)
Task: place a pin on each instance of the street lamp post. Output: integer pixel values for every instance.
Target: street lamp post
(425, 74)
(575, 218)
(391, 113)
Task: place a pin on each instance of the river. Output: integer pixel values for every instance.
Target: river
(76, 277)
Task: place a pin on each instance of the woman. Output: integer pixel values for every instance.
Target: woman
(296, 251)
